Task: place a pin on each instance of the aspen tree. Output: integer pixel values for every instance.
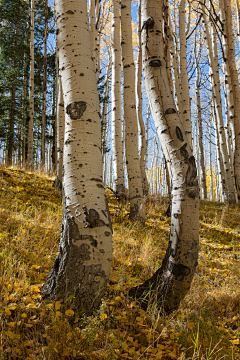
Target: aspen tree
(172, 281)
(186, 115)
(117, 144)
(142, 146)
(199, 112)
(31, 93)
(137, 208)
(216, 93)
(235, 88)
(44, 86)
(82, 266)
(60, 136)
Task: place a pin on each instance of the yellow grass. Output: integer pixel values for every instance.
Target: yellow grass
(206, 326)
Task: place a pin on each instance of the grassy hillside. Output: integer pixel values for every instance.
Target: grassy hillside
(205, 327)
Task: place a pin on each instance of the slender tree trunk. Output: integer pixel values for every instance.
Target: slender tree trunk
(44, 86)
(172, 281)
(137, 208)
(216, 92)
(186, 115)
(60, 135)
(31, 93)
(200, 137)
(139, 106)
(235, 88)
(11, 125)
(117, 145)
(82, 266)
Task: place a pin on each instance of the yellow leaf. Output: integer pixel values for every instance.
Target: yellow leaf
(69, 312)
(69, 335)
(65, 352)
(24, 315)
(191, 325)
(131, 350)
(58, 314)
(12, 307)
(103, 316)
(7, 311)
(235, 342)
(57, 305)
(74, 353)
(49, 306)
(139, 319)
(11, 324)
(117, 298)
(9, 287)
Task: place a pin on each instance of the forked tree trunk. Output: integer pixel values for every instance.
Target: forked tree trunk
(117, 145)
(137, 208)
(31, 93)
(82, 266)
(44, 87)
(172, 281)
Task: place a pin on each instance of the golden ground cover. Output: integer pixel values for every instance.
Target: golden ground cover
(206, 326)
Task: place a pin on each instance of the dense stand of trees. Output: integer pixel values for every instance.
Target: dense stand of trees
(145, 107)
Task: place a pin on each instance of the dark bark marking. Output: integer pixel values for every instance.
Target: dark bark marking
(76, 109)
(169, 111)
(179, 133)
(155, 63)
(148, 24)
(92, 218)
(100, 186)
(95, 179)
(179, 270)
(68, 141)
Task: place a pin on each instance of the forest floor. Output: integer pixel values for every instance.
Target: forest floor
(206, 326)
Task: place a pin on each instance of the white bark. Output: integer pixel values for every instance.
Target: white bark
(31, 92)
(82, 266)
(235, 89)
(117, 144)
(172, 281)
(142, 145)
(216, 92)
(137, 208)
(186, 115)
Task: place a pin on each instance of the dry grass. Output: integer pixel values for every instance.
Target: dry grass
(205, 327)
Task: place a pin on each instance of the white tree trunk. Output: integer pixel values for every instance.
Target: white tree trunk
(172, 281)
(82, 266)
(216, 92)
(117, 144)
(137, 208)
(186, 115)
(200, 137)
(60, 135)
(142, 141)
(31, 93)
(235, 89)
(43, 130)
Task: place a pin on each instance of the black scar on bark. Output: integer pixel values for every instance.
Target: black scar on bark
(179, 270)
(76, 109)
(179, 134)
(155, 63)
(92, 218)
(169, 111)
(69, 276)
(70, 12)
(148, 24)
(191, 175)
